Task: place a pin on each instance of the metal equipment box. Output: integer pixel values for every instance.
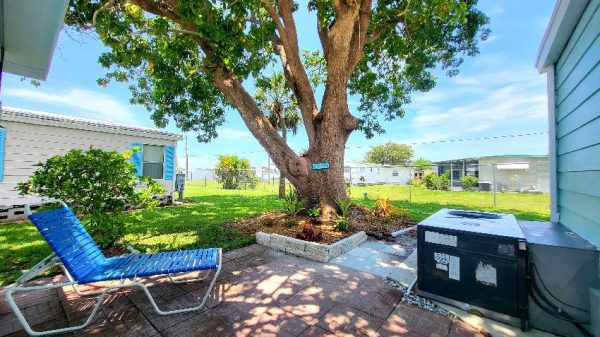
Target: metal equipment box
(563, 268)
(474, 260)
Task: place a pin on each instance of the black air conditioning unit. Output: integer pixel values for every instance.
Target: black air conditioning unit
(474, 261)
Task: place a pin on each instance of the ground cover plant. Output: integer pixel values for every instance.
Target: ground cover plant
(199, 222)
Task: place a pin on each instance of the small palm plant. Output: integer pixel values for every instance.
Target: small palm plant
(291, 204)
(341, 221)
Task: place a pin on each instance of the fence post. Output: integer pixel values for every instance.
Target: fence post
(410, 184)
(494, 182)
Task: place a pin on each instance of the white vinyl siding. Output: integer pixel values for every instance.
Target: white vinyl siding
(28, 144)
(577, 99)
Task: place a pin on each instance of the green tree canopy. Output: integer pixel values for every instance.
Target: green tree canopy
(188, 61)
(390, 154)
(422, 164)
(235, 172)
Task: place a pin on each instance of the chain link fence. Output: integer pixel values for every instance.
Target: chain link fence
(497, 181)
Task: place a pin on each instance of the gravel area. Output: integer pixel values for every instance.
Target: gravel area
(419, 301)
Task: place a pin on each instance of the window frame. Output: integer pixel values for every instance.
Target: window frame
(162, 162)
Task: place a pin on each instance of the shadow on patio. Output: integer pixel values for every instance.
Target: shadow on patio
(259, 293)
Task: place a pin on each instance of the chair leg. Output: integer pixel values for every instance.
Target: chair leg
(183, 310)
(186, 280)
(91, 292)
(23, 320)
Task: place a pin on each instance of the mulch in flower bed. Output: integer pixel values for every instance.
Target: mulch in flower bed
(361, 218)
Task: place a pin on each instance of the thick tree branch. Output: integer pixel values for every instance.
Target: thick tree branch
(258, 123)
(358, 37)
(286, 46)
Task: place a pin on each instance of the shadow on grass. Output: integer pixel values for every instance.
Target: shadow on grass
(196, 224)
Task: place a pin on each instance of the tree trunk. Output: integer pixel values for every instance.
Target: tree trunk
(325, 187)
(283, 127)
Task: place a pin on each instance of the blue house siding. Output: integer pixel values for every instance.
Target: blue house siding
(577, 99)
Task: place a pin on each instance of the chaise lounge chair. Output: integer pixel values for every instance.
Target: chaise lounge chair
(83, 263)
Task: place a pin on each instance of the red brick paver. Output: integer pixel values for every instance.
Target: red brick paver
(260, 292)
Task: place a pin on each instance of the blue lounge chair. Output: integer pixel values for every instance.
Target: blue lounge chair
(83, 263)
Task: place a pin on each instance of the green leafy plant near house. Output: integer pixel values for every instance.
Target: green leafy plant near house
(468, 183)
(98, 185)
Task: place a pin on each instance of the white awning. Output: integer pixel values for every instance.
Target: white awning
(512, 166)
(30, 29)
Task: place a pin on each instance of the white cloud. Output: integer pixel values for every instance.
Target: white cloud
(231, 133)
(88, 103)
(493, 97)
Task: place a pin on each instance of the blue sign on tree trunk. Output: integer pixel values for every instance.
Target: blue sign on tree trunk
(320, 166)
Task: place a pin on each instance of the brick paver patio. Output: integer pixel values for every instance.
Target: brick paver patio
(260, 292)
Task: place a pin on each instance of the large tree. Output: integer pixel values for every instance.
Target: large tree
(188, 60)
(275, 97)
(390, 154)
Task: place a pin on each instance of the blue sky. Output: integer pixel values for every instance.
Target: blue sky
(498, 92)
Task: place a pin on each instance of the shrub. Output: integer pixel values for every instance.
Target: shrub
(344, 205)
(416, 182)
(430, 181)
(291, 204)
(98, 185)
(383, 207)
(309, 233)
(443, 181)
(314, 212)
(289, 223)
(342, 224)
(235, 173)
(468, 182)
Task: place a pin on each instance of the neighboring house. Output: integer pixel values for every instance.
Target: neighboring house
(359, 173)
(570, 56)
(520, 173)
(29, 137)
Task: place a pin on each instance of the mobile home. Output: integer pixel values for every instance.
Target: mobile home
(29, 137)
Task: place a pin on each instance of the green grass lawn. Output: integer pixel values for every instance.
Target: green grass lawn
(199, 223)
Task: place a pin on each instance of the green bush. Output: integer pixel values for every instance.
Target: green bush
(443, 181)
(98, 185)
(344, 205)
(342, 224)
(430, 181)
(235, 173)
(468, 183)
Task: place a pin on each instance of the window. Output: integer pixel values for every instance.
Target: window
(394, 173)
(153, 161)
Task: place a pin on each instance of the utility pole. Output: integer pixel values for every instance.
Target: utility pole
(187, 171)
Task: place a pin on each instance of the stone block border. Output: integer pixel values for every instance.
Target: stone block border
(403, 231)
(311, 250)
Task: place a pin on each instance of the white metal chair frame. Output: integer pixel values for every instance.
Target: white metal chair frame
(53, 260)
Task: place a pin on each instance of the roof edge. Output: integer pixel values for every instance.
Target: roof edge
(564, 19)
(11, 114)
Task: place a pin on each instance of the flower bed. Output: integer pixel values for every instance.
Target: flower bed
(319, 240)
